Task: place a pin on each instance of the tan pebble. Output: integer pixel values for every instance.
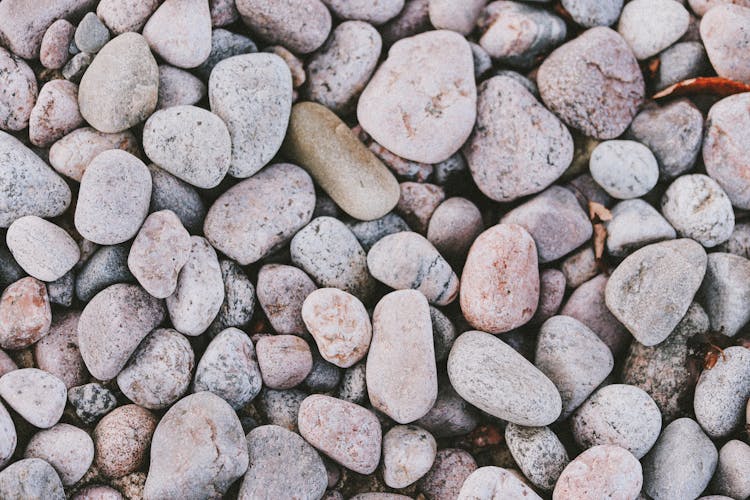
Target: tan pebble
(25, 314)
(284, 360)
(122, 439)
(72, 154)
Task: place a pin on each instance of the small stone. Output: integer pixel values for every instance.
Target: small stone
(580, 267)
(347, 433)
(35, 395)
(551, 293)
(273, 449)
(109, 265)
(600, 472)
(453, 227)
(405, 169)
(698, 208)
(370, 232)
(731, 473)
(122, 16)
(122, 439)
(417, 203)
(424, 116)
(223, 12)
(514, 390)
(19, 91)
(178, 87)
(41, 248)
(408, 454)
(25, 313)
(590, 13)
(91, 402)
(650, 26)
(340, 325)
(170, 193)
(680, 62)
(55, 113)
(98, 492)
(323, 377)
(72, 154)
(375, 13)
(459, 16)
(725, 292)
(538, 452)
(31, 478)
(8, 437)
(53, 53)
(402, 343)
(451, 468)
(6, 363)
(112, 325)
(450, 415)
(239, 299)
(75, 68)
(353, 386)
(284, 360)
(224, 44)
(91, 34)
(635, 224)
(593, 83)
(120, 88)
(57, 352)
(681, 463)
(68, 449)
(296, 66)
(651, 290)
(443, 334)
(739, 242)
(624, 169)
(62, 290)
(281, 407)
(260, 214)
(180, 32)
(495, 482)
(724, 33)
(299, 25)
(414, 18)
(282, 291)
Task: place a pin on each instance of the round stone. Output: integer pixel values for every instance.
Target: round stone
(55, 113)
(724, 33)
(68, 449)
(31, 478)
(282, 291)
(122, 439)
(650, 26)
(495, 482)
(453, 227)
(590, 13)
(35, 395)
(107, 266)
(19, 91)
(25, 313)
(72, 154)
(57, 352)
(178, 87)
(53, 53)
(408, 453)
(600, 472)
(284, 360)
(41, 248)
(91, 34)
(451, 468)
(459, 16)
(624, 169)
(299, 25)
(538, 452)
(122, 16)
(180, 32)
(731, 478)
(635, 224)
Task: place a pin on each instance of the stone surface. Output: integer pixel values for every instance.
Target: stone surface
(635, 224)
(170, 193)
(25, 313)
(725, 292)
(590, 13)
(53, 52)
(282, 291)
(41, 248)
(224, 44)
(605, 471)
(8, 436)
(107, 266)
(299, 25)
(98, 492)
(55, 113)
(180, 32)
(408, 453)
(417, 203)
(366, 10)
(451, 468)
(281, 407)
(57, 352)
(731, 472)
(178, 87)
(122, 439)
(679, 62)
(724, 33)
(122, 16)
(624, 169)
(538, 452)
(19, 91)
(650, 26)
(31, 478)
(91, 34)
(35, 395)
(453, 227)
(455, 15)
(72, 154)
(284, 360)
(551, 294)
(68, 449)
(580, 266)
(495, 482)
(91, 402)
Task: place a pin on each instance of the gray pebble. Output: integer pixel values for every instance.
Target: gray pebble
(109, 265)
(57, 352)
(590, 13)
(353, 386)
(722, 392)
(281, 407)
(299, 25)
(10, 271)
(68, 449)
(680, 62)
(726, 292)
(624, 169)
(239, 299)
(323, 376)
(91, 401)
(282, 291)
(75, 68)
(224, 44)
(44, 250)
(284, 360)
(408, 454)
(443, 334)
(370, 232)
(650, 26)
(91, 34)
(62, 290)
(482, 60)
(170, 193)
(35, 395)
(31, 478)
(449, 170)
(538, 452)
(635, 224)
(178, 87)
(451, 415)
(731, 478)
(223, 12)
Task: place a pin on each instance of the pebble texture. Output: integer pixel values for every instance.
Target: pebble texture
(284, 360)
(590, 13)
(71, 155)
(68, 449)
(495, 482)
(18, 94)
(57, 352)
(408, 453)
(8, 436)
(624, 169)
(725, 292)
(55, 113)
(724, 33)
(31, 478)
(731, 478)
(41, 248)
(452, 467)
(635, 224)
(53, 52)
(180, 32)
(282, 290)
(538, 452)
(650, 26)
(35, 395)
(25, 313)
(605, 471)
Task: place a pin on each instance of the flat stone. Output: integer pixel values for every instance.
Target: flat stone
(107, 266)
(455, 15)
(451, 468)
(72, 154)
(53, 52)
(55, 113)
(538, 452)
(57, 352)
(239, 299)
(68, 449)
(284, 360)
(25, 313)
(730, 478)
(299, 25)
(725, 292)
(178, 87)
(170, 193)
(35, 395)
(453, 227)
(282, 291)
(122, 16)
(721, 393)
(41, 248)
(495, 482)
(635, 224)
(8, 436)
(650, 26)
(180, 32)
(724, 33)
(590, 13)
(91, 34)
(31, 478)
(91, 401)
(598, 472)
(624, 169)
(122, 439)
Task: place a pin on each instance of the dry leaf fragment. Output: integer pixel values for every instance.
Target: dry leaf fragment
(712, 356)
(598, 212)
(704, 85)
(600, 237)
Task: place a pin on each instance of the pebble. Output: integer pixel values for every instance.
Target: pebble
(515, 390)
(338, 72)
(170, 193)
(538, 452)
(207, 425)
(724, 33)
(459, 16)
(68, 449)
(57, 352)
(41, 248)
(340, 325)
(6, 363)
(62, 290)
(27, 185)
(551, 293)
(112, 325)
(282, 291)
(25, 313)
(91, 401)
(590, 13)
(55, 113)
(122, 16)
(91, 34)
(273, 449)
(120, 88)
(424, 116)
(375, 13)
(281, 407)
(408, 454)
(53, 52)
(495, 482)
(323, 377)
(178, 87)
(451, 468)
(593, 83)
(330, 253)
(681, 463)
(518, 147)
(650, 26)
(580, 267)
(605, 471)
(370, 232)
(223, 12)
(443, 334)
(353, 386)
(731, 472)
(516, 34)
(417, 203)
(180, 32)
(98, 492)
(492, 301)
(725, 149)
(725, 292)
(224, 44)
(122, 439)
(624, 169)
(555, 220)
(698, 208)
(284, 360)
(721, 393)
(76, 67)
(37, 396)
(414, 18)
(564, 343)
(299, 25)
(651, 290)
(343, 167)
(453, 227)
(72, 154)
(739, 242)
(31, 478)
(169, 139)
(680, 62)
(109, 265)
(18, 94)
(402, 344)
(8, 436)
(239, 299)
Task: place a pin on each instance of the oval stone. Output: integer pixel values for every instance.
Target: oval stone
(19, 91)
(72, 154)
(36, 395)
(724, 33)
(624, 169)
(122, 16)
(299, 25)
(650, 26)
(122, 439)
(68, 449)
(41, 248)
(408, 453)
(53, 52)
(600, 472)
(57, 352)
(538, 452)
(180, 32)
(282, 290)
(55, 113)
(495, 482)
(284, 360)
(31, 478)
(8, 436)
(25, 313)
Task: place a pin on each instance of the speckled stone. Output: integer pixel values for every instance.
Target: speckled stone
(417, 203)
(453, 227)
(605, 471)
(580, 266)
(91, 34)
(178, 87)
(122, 439)
(284, 360)
(224, 44)
(68, 449)
(19, 91)
(53, 52)
(35, 395)
(635, 224)
(223, 12)
(170, 193)
(624, 169)
(681, 61)
(8, 436)
(180, 32)
(590, 13)
(239, 299)
(282, 291)
(55, 113)
(455, 15)
(739, 242)
(323, 377)
(107, 266)
(451, 468)
(31, 478)
(538, 452)
(724, 33)
(296, 65)
(725, 292)
(122, 16)
(98, 492)
(495, 482)
(650, 26)
(25, 313)
(281, 407)
(57, 352)
(370, 232)
(72, 154)
(91, 401)
(41, 248)
(731, 472)
(299, 25)
(408, 454)
(353, 386)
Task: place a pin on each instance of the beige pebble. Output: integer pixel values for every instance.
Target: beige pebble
(72, 154)
(44, 250)
(55, 113)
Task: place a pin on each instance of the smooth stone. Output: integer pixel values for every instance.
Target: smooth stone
(725, 292)
(179, 31)
(282, 291)
(8, 436)
(55, 113)
(346, 170)
(224, 44)
(200, 290)
(160, 370)
(724, 33)
(31, 478)
(515, 390)
(91, 34)
(650, 26)
(424, 116)
(698, 208)
(91, 401)
(323, 376)
(27, 185)
(538, 452)
(651, 290)
(573, 358)
(605, 471)
(493, 301)
(190, 143)
(252, 93)
(337, 73)
(299, 25)
(681, 61)
(347, 433)
(44, 250)
(370, 232)
(681, 463)
(402, 343)
(408, 454)
(178, 87)
(555, 221)
(700, 7)
(112, 325)
(98, 492)
(120, 88)
(114, 198)
(37, 396)
(19, 91)
(340, 325)
(451, 468)
(53, 52)
(353, 385)
(634, 225)
(551, 294)
(68, 449)
(239, 299)
(71, 155)
(579, 267)
(492, 482)
(722, 392)
(443, 334)
(453, 227)
(25, 313)
(414, 18)
(455, 15)
(122, 16)
(109, 265)
(170, 193)
(624, 169)
(6, 363)
(76, 67)
(406, 169)
(262, 213)
(122, 439)
(731, 477)
(229, 368)
(518, 147)
(57, 352)
(376, 13)
(593, 83)
(207, 425)
(281, 407)
(590, 13)
(417, 203)
(273, 449)
(284, 360)
(330, 253)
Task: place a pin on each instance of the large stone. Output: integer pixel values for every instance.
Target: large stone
(19, 91)
(41, 248)
(605, 471)
(724, 33)
(725, 292)
(35, 395)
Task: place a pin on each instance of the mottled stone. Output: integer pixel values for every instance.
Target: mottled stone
(170, 193)
(725, 292)
(408, 454)
(580, 266)
(650, 26)
(370, 232)
(178, 87)
(25, 313)
(281, 407)
(77, 66)
(495, 482)
(624, 169)
(91, 34)
(6, 363)
(57, 352)
(122, 16)
(635, 224)
(284, 360)
(8, 436)
(605, 471)
(180, 32)
(417, 203)
(224, 44)
(455, 15)
(282, 291)
(68, 449)
(223, 12)
(724, 33)
(109, 265)
(353, 386)
(239, 299)
(72, 154)
(590, 13)
(91, 401)
(19, 91)
(122, 439)
(323, 376)
(451, 468)
(299, 25)
(55, 113)
(53, 52)
(31, 478)
(443, 334)
(35, 395)
(41, 248)
(551, 294)
(538, 452)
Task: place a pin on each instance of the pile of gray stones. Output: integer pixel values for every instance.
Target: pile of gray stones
(374, 249)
